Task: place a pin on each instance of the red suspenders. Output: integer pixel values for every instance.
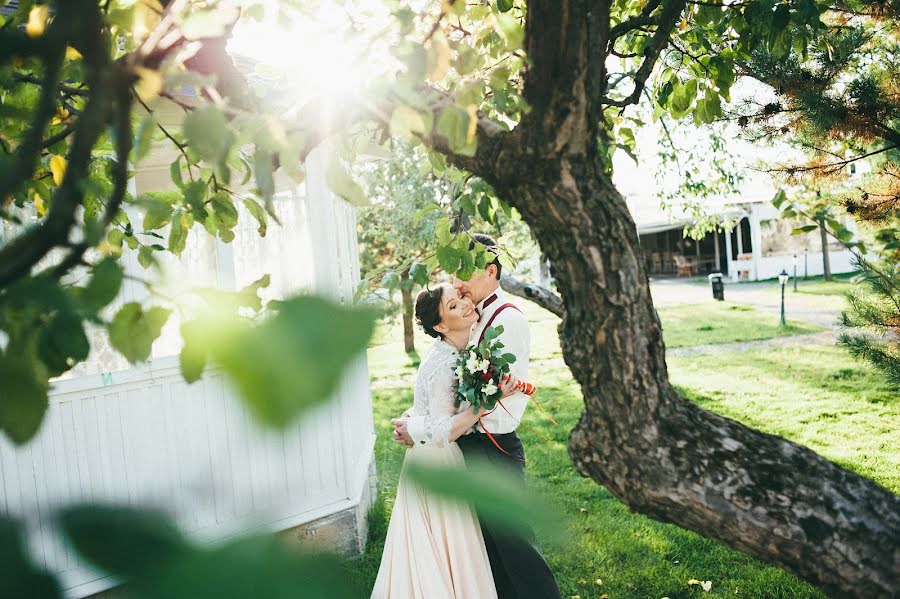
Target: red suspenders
(493, 316)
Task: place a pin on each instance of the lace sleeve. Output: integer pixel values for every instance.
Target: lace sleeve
(437, 387)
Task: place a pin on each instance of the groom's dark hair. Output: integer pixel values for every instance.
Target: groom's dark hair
(492, 247)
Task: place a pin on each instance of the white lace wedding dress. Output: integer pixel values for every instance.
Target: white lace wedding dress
(434, 548)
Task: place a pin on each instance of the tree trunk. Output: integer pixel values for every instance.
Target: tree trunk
(826, 260)
(661, 455)
(666, 457)
(409, 343)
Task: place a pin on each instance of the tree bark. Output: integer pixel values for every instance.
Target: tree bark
(664, 456)
(826, 259)
(534, 293)
(409, 343)
(661, 455)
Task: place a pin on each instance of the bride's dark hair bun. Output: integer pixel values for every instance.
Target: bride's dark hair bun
(428, 310)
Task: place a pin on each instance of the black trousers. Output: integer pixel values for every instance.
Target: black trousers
(518, 567)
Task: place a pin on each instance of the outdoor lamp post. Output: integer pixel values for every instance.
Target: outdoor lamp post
(795, 272)
(805, 263)
(783, 279)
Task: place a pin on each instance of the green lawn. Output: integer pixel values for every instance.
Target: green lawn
(839, 285)
(815, 395)
(721, 322)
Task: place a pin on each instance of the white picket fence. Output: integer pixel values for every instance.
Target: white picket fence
(142, 436)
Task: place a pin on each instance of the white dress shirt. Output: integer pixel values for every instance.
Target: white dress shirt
(516, 339)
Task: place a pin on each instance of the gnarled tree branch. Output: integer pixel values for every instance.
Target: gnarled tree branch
(665, 25)
(534, 293)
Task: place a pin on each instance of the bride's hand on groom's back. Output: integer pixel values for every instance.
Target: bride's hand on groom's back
(401, 434)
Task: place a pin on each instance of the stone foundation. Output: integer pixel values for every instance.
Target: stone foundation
(344, 532)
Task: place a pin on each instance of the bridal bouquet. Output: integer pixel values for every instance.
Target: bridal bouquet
(480, 370)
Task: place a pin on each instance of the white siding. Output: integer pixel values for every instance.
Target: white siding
(142, 436)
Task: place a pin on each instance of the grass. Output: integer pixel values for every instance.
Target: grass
(814, 395)
(826, 401)
(839, 285)
(720, 322)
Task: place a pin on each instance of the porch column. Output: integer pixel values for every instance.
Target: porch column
(755, 239)
(728, 254)
(716, 245)
(740, 236)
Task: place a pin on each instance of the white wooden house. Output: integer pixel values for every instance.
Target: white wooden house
(139, 435)
(758, 245)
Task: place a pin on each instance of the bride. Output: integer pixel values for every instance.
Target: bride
(434, 548)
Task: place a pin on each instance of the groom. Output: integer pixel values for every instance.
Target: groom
(518, 567)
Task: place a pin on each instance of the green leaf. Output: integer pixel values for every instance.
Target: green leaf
(146, 548)
(493, 332)
(449, 258)
(124, 540)
(262, 168)
(144, 136)
(342, 184)
(779, 199)
(423, 211)
(157, 211)
(175, 172)
(419, 273)
(442, 231)
(225, 211)
(453, 125)
(104, 285)
(257, 212)
(390, 280)
(145, 256)
(194, 354)
(179, 232)
(115, 237)
(804, 229)
(21, 577)
(195, 196)
(293, 361)
(487, 209)
(467, 59)
(249, 296)
(467, 265)
(512, 30)
(407, 122)
(683, 96)
(133, 331)
(63, 343)
(844, 235)
(496, 494)
(504, 5)
(207, 132)
(23, 398)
